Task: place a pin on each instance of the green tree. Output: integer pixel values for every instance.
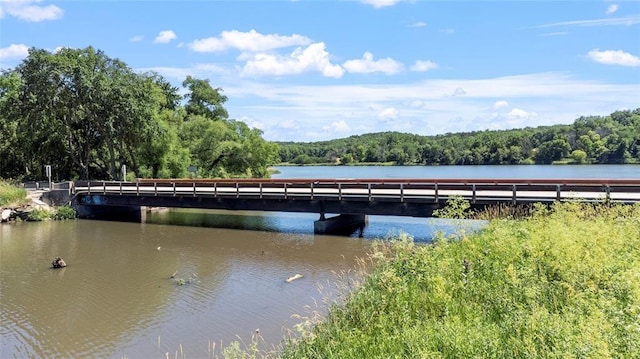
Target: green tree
(80, 108)
(204, 100)
(579, 156)
(552, 151)
(12, 159)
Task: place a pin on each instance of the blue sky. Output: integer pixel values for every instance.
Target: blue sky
(311, 70)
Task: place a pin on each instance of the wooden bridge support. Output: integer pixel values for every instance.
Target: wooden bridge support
(340, 224)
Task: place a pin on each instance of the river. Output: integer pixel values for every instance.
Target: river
(117, 298)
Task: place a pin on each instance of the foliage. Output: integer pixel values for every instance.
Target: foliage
(11, 195)
(608, 139)
(40, 214)
(562, 283)
(88, 115)
(64, 213)
(456, 208)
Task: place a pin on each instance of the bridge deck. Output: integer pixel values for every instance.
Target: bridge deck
(411, 197)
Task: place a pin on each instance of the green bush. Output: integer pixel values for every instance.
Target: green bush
(64, 212)
(561, 283)
(40, 214)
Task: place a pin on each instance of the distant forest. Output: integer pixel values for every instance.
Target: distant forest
(612, 139)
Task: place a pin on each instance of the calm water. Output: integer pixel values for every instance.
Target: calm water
(532, 171)
(116, 297)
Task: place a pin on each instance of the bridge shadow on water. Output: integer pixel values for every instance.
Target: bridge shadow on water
(377, 227)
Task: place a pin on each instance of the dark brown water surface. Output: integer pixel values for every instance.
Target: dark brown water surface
(116, 298)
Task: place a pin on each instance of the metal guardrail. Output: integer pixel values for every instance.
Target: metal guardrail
(399, 190)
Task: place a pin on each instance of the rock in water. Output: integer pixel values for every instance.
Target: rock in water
(6, 213)
(58, 263)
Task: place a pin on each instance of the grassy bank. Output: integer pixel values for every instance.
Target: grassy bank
(563, 283)
(11, 195)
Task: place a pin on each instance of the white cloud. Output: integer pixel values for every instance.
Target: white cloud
(380, 3)
(459, 91)
(28, 10)
(611, 9)
(422, 66)
(419, 24)
(500, 104)
(252, 41)
(136, 38)
(557, 33)
(616, 21)
(368, 65)
(337, 126)
(388, 114)
(180, 73)
(614, 57)
(312, 58)
(520, 114)
(165, 37)
(14, 51)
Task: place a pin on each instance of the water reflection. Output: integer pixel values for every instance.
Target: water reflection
(377, 227)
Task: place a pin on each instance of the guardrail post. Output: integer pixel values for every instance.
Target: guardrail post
(237, 190)
(514, 200)
(339, 191)
(137, 188)
(174, 189)
(286, 195)
(369, 191)
(121, 188)
(435, 187)
(473, 193)
(607, 190)
(311, 190)
(558, 197)
(215, 189)
(260, 190)
(104, 187)
(401, 192)
(194, 188)
(88, 187)
(155, 188)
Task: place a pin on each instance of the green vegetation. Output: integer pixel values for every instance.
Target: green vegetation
(560, 283)
(40, 214)
(64, 213)
(87, 114)
(595, 139)
(11, 195)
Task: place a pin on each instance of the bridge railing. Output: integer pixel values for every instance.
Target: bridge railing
(402, 190)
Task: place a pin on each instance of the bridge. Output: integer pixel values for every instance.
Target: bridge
(350, 199)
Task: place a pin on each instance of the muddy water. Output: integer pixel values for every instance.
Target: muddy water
(116, 298)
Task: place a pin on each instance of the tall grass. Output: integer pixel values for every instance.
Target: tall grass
(564, 282)
(11, 195)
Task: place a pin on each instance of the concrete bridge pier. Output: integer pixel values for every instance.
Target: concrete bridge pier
(340, 224)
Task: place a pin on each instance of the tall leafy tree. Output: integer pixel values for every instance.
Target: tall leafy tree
(204, 100)
(83, 109)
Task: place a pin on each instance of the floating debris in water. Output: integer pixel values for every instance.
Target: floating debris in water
(291, 279)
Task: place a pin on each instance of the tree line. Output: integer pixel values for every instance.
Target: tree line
(612, 139)
(87, 115)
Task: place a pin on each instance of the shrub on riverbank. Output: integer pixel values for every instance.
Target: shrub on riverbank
(564, 282)
(64, 213)
(11, 195)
